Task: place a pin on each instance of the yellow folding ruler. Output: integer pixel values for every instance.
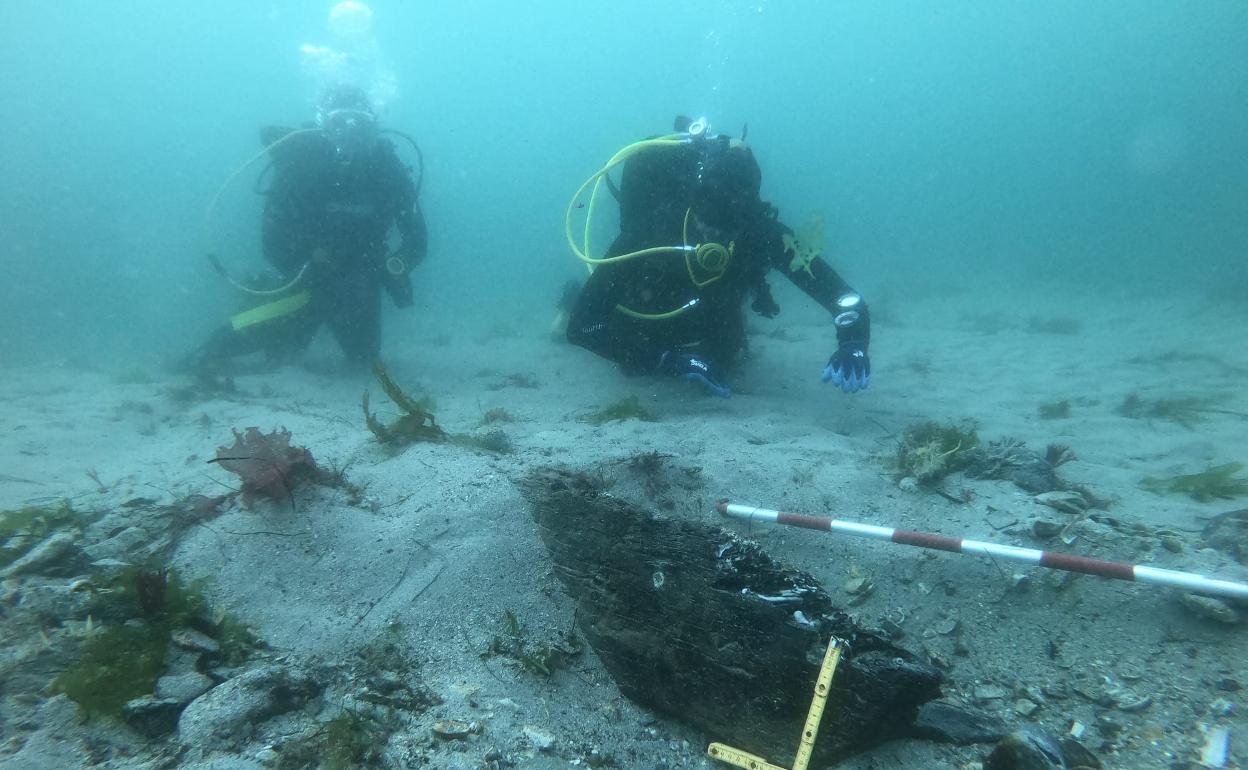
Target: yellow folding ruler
(822, 685)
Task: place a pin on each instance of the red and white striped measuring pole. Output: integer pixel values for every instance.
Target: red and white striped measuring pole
(1167, 577)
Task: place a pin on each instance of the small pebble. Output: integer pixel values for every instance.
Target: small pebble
(856, 585)
(454, 729)
(1134, 706)
(1045, 530)
(1210, 609)
(1025, 708)
(1108, 726)
(990, 692)
(267, 756)
(541, 740)
(190, 639)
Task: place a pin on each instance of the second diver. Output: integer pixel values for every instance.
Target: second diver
(338, 187)
(695, 242)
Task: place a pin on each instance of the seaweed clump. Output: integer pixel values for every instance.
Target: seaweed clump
(393, 681)
(1056, 410)
(805, 245)
(1009, 459)
(268, 465)
(544, 659)
(348, 741)
(929, 451)
(629, 408)
(23, 528)
(1185, 410)
(117, 664)
(496, 415)
(416, 423)
(351, 741)
(1217, 482)
(140, 607)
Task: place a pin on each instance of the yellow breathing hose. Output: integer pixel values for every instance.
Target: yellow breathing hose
(582, 251)
(210, 211)
(710, 257)
(628, 311)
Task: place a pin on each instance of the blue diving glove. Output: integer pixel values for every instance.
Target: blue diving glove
(849, 368)
(693, 369)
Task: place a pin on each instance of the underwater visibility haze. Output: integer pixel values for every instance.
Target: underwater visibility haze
(990, 141)
(400, 483)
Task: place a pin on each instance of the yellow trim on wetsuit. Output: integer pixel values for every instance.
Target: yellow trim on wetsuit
(270, 311)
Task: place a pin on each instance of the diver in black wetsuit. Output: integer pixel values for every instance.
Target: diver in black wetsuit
(337, 189)
(695, 241)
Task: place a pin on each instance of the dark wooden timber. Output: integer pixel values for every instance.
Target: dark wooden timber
(706, 628)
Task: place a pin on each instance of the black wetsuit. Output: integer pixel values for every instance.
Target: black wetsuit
(658, 187)
(334, 218)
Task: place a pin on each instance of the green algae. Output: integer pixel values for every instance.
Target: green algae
(1187, 411)
(415, 423)
(138, 609)
(1217, 482)
(629, 408)
(929, 451)
(542, 658)
(805, 245)
(1055, 410)
(23, 528)
(117, 664)
(351, 741)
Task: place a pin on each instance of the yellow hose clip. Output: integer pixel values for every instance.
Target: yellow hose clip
(711, 258)
(706, 263)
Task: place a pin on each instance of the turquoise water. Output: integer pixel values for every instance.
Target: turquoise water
(1084, 145)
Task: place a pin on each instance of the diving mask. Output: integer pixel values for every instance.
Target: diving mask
(351, 131)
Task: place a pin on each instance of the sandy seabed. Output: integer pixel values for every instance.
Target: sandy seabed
(440, 544)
